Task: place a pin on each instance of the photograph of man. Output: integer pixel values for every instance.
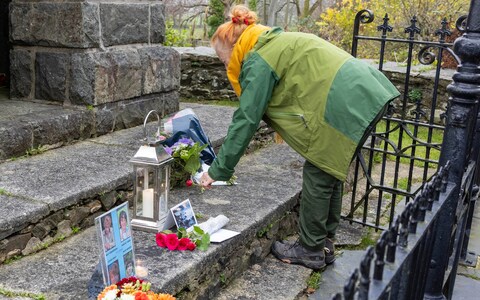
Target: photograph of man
(107, 232)
(184, 216)
(123, 224)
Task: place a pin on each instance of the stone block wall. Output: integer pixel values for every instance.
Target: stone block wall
(203, 75)
(90, 52)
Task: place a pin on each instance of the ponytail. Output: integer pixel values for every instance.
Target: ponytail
(228, 33)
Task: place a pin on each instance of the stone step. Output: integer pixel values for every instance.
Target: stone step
(31, 127)
(76, 182)
(269, 182)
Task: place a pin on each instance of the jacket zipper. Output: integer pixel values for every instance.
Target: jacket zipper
(301, 116)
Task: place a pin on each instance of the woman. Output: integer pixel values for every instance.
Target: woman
(321, 100)
(124, 229)
(108, 237)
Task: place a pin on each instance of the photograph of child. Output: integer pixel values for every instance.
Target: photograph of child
(123, 225)
(107, 232)
(183, 214)
(129, 267)
(114, 272)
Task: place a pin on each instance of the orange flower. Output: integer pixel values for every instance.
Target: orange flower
(141, 296)
(161, 297)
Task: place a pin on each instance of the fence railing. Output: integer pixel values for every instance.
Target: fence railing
(402, 153)
(418, 256)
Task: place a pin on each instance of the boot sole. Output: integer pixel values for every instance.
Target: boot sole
(330, 260)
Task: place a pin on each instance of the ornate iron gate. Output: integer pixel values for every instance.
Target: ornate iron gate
(417, 257)
(395, 143)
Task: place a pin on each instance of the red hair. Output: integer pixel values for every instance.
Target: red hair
(228, 33)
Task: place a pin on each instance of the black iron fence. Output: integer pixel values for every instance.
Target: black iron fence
(417, 257)
(403, 151)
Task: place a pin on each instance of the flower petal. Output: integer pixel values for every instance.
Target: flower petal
(171, 241)
(161, 240)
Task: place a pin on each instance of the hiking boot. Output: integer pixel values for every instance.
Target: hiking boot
(329, 251)
(294, 253)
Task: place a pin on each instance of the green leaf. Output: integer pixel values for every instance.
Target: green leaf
(198, 230)
(182, 232)
(204, 242)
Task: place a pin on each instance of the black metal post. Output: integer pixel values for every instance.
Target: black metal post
(456, 148)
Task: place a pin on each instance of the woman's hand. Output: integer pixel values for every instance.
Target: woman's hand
(206, 180)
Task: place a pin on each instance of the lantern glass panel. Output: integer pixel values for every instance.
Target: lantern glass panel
(162, 191)
(145, 192)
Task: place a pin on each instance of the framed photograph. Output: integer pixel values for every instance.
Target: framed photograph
(107, 232)
(117, 257)
(183, 215)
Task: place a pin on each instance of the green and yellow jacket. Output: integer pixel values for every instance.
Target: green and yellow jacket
(318, 97)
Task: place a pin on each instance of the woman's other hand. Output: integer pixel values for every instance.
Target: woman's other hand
(206, 181)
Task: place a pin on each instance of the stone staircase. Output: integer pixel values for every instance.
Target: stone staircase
(49, 248)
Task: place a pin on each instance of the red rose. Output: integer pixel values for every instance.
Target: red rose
(161, 240)
(191, 246)
(189, 182)
(131, 279)
(171, 241)
(182, 244)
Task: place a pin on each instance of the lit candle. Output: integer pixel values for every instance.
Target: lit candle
(147, 205)
(141, 272)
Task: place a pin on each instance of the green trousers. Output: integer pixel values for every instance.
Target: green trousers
(320, 207)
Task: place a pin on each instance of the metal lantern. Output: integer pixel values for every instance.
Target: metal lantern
(151, 165)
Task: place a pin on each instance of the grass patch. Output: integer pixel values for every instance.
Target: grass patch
(313, 282)
(420, 151)
(76, 229)
(223, 102)
(36, 151)
(5, 193)
(369, 239)
(12, 259)
(12, 294)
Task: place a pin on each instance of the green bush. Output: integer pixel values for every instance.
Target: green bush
(336, 23)
(216, 17)
(176, 38)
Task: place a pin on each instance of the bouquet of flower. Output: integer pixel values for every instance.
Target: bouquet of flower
(132, 288)
(186, 155)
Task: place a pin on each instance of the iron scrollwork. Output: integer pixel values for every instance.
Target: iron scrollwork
(427, 57)
(461, 23)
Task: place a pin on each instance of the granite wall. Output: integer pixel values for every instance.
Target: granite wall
(90, 52)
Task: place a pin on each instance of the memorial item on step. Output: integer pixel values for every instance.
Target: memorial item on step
(116, 244)
(151, 166)
(183, 215)
(190, 234)
(214, 227)
(132, 288)
(185, 139)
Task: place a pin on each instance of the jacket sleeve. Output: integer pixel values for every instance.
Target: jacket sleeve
(257, 80)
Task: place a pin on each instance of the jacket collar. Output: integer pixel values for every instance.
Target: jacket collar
(244, 44)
